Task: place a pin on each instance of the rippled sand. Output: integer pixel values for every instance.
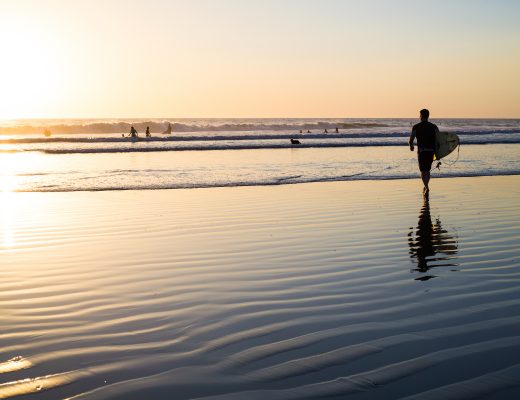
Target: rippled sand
(350, 289)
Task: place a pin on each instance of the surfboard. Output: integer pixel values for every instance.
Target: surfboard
(445, 143)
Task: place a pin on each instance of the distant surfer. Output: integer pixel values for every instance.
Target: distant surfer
(168, 130)
(133, 132)
(148, 132)
(425, 132)
(337, 130)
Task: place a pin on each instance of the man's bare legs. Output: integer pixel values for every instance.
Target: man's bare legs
(425, 175)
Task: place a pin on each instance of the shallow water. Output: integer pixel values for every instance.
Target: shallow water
(92, 155)
(35, 171)
(288, 292)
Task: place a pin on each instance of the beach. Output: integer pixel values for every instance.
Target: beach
(356, 289)
(259, 200)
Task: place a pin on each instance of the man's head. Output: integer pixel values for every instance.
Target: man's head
(425, 114)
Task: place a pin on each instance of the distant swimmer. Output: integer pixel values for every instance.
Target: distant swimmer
(148, 132)
(295, 141)
(337, 130)
(133, 132)
(425, 133)
(325, 131)
(308, 131)
(168, 130)
(301, 131)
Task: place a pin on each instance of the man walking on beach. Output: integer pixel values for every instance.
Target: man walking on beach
(425, 132)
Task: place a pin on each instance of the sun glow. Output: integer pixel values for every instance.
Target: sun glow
(32, 73)
(174, 58)
(8, 167)
(7, 187)
(6, 219)
(12, 166)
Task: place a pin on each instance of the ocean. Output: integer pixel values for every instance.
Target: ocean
(93, 155)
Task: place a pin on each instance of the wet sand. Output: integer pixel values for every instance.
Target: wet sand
(348, 290)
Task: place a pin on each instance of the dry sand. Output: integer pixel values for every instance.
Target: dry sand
(287, 292)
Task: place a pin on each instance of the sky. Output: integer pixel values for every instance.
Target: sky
(259, 58)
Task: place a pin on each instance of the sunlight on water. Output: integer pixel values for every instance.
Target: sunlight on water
(6, 222)
(34, 385)
(11, 166)
(15, 364)
(8, 166)
(7, 185)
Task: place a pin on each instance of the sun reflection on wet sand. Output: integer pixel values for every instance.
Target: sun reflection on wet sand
(39, 384)
(14, 364)
(8, 239)
(7, 187)
(6, 212)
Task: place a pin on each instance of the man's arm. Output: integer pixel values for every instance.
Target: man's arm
(412, 138)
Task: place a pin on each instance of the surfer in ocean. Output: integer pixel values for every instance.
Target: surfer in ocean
(425, 133)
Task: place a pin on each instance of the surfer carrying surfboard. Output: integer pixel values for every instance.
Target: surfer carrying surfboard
(425, 133)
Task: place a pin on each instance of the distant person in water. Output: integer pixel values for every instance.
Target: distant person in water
(308, 131)
(148, 132)
(301, 131)
(325, 131)
(425, 132)
(133, 132)
(337, 130)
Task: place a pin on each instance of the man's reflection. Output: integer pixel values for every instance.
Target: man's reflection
(431, 245)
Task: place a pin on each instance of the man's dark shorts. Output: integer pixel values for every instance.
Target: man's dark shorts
(425, 160)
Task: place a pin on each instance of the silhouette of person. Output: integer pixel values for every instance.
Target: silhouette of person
(325, 131)
(425, 132)
(148, 131)
(337, 130)
(133, 132)
(428, 241)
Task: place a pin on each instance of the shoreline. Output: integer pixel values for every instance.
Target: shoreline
(35, 171)
(253, 185)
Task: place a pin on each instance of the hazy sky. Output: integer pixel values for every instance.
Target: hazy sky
(259, 58)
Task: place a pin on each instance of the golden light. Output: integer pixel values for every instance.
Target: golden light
(8, 168)
(7, 186)
(32, 74)
(6, 218)
(11, 166)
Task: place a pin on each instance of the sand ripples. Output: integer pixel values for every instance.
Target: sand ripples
(298, 292)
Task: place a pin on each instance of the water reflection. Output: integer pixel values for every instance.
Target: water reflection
(7, 186)
(6, 219)
(431, 246)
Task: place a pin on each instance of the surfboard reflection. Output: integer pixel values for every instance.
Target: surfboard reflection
(431, 246)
